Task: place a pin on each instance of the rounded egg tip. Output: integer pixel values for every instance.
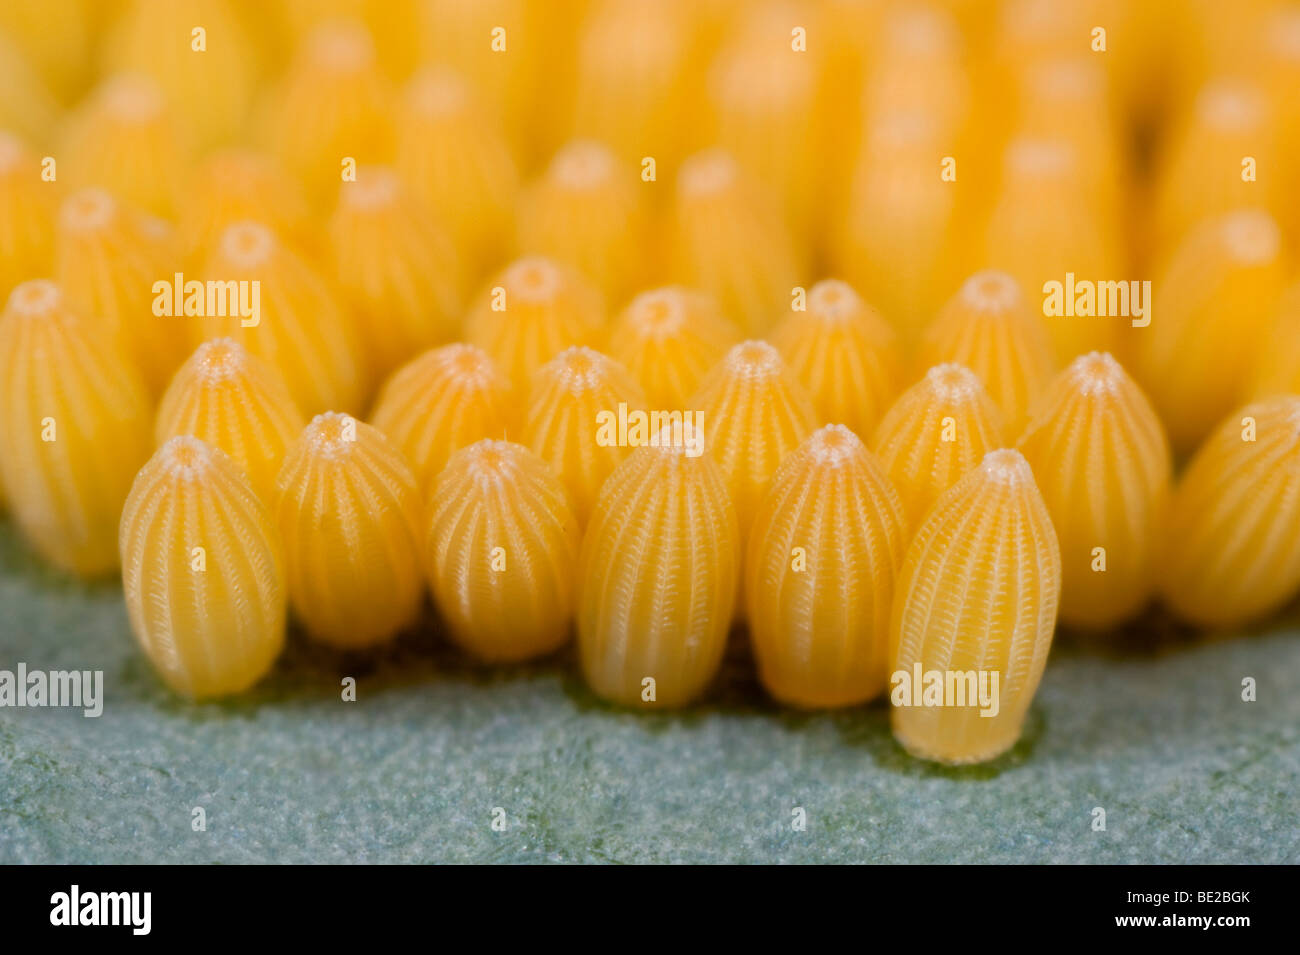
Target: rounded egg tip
(1038, 157)
(660, 312)
(132, 98)
(491, 462)
(954, 382)
(833, 445)
(1230, 104)
(219, 359)
(13, 153)
(833, 298)
(579, 367)
(991, 290)
(87, 210)
(707, 173)
(1007, 466)
(332, 434)
(186, 457)
(1251, 237)
(341, 45)
(35, 297)
(376, 187)
(534, 278)
(247, 244)
(437, 90)
(1096, 373)
(582, 164)
(754, 359)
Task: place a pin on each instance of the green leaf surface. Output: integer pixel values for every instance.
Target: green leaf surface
(1150, 726)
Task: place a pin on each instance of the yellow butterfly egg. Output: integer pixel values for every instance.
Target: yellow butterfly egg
(498, 45)
(27, 215)
(1070, 101)
(202, 572)
(1044, 224)
(501, 549)
(198, 54)
(669, 338)
(55, 36)
(1194, 364)
(442, 401)
(762, 95)
(1102, 462)
(74, 426)
(851, 32)
(27, 108)
(919, 66)
(295, 320)
(934, 433)
(903, 228)
(823, 556)
(348, 510)
(634, 71)
(1276, 366)
(534, 310)
(333, 104)
(988, 327)
(123, 139)
(587, 210)
(238, 185)
(107, 259)
(454, 157)
(1277, 60)
(972, 624)
(729, 241)
(1204, 172)
(391, 24)
(657, 577)
(396, 266)
(575, 406)
(753, 412)
(236, 403)
(844, 353)
(1231, 553)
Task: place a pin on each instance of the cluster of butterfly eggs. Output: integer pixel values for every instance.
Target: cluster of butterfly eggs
(841, 558)
(908, 532)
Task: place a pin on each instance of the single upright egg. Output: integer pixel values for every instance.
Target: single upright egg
(844, 354)
(1230, 553)
(202, 572)
(934, 433)
(988, 327)
(587, 210)
(74, 429)
(454, 157)
(236, 403)
(1102, 462)
(501, 549)
(574, 409)
(108, 260)
(753, 412)
(396, 267)
(824, 553)
(727, 239)
(123, 138)
(348, 510)
(657, 578)
(28, 210)
(669, 338)
(973, 621)
(441, 401)
(282, 310)
(533, 310)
